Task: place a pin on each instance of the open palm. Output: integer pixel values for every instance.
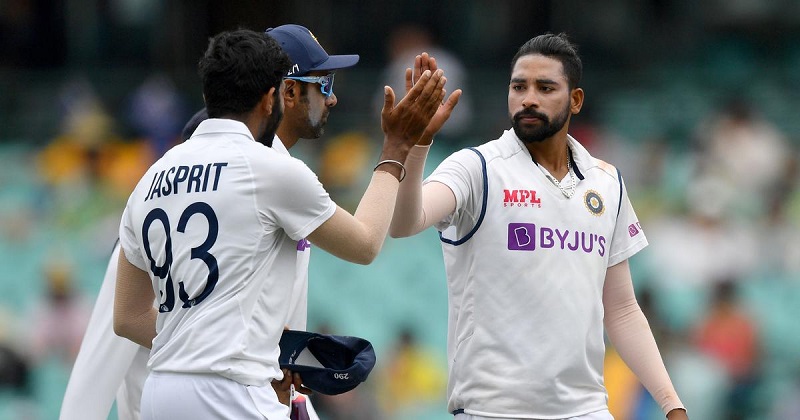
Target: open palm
(424, 62)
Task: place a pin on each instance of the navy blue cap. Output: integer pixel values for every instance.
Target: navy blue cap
(328, 364)
(305, 51)
(192, 124)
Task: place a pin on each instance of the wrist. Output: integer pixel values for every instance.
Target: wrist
(396, 149)
(425, 140)
(393, 167)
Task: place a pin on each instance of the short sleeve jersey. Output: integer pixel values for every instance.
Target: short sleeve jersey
(525, 335)
(216, 222)
(298, 304)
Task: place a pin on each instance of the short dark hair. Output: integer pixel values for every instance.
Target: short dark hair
(238, 68)
(558, 47)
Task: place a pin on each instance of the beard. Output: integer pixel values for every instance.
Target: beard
(541, 132)
(272, 123)
(315, 120)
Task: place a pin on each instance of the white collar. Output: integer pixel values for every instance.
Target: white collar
(277, 144)
(222, 125)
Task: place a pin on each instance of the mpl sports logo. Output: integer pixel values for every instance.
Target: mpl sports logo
(521, 198)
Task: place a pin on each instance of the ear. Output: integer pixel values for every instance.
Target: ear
(290, 93)
(267, 101)
(576, 100)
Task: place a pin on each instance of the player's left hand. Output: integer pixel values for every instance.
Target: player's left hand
(284, 387)
(424, 62)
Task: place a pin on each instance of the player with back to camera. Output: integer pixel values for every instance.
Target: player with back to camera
(109, 367)
(214, 225)
(123, 369)
(536, 235)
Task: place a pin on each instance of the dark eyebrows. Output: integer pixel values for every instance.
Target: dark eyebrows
(515, 80)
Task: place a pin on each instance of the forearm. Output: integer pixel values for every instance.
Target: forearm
(409, 215)
(634, 341)
(630, 334)
(134, 315)
(359, 238)
(375, 210)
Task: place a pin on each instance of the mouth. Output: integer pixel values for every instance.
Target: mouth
(530, 120)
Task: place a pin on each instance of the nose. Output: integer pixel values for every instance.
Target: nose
(331, 101)
(531, 100)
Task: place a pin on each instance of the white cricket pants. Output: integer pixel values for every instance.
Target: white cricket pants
(176, 396)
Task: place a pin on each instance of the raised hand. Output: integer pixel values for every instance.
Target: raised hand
(404, 123)
(424, 62)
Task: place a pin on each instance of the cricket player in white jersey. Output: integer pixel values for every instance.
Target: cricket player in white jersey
(119, 364)
(213, 227)
(536, 235)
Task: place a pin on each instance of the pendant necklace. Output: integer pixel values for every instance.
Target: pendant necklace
(568, 190)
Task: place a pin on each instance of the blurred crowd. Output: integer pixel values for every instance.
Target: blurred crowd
(719, 282)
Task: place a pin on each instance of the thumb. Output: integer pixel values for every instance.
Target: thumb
(452, 101)
(388, 100)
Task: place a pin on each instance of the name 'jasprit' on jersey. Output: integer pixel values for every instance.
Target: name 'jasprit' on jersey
(195, 177)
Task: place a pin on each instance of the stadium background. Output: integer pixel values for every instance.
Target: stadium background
(696, 102)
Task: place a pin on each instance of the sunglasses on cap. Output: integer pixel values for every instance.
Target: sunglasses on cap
(325, 82)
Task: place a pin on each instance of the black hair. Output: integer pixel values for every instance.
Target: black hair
(238, 68)
(559, 48)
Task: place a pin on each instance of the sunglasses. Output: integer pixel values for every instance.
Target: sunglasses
(325, 82)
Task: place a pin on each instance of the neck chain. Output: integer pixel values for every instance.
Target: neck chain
(567, 190)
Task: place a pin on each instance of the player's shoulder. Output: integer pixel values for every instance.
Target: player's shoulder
(591, 164)
(499, 148)
(503, 147)
(606, 168)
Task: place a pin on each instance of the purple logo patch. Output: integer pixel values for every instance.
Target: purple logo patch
(527, 237)
(303, 245)
(521, 236)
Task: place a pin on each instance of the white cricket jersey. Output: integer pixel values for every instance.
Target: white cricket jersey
(298, 304)
(215, 222)
(107, 366)
(525, 336)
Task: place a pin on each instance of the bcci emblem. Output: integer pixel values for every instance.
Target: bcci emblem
(594, 203)
(312, 36)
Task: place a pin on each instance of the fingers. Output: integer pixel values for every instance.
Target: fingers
(297, 381)
(417, 69)
(388, 101)
(431, 88)
(409, 80)
(419, 86)
(452, 101)
(432, 100)
(423, 62)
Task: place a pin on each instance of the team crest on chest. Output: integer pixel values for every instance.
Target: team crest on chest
(593, 202)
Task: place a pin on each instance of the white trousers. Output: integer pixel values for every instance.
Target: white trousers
(597, 415)
(173, 396)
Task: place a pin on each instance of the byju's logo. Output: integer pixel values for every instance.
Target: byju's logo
(303, 245)
(521, 198)
(527, 237)
(521, 236)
